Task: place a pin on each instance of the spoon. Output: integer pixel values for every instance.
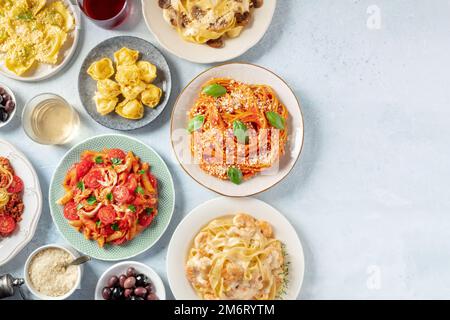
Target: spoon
(78, 261)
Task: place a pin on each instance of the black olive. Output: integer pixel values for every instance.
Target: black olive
(9, 106)
(2, 91)
(141, 280)
(131, 272)
(3, 115)
(117, 293)
(1, 99)
(106, 293)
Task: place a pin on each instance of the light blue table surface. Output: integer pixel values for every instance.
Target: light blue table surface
(370, 197)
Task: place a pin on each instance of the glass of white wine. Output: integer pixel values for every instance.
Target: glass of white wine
(49, 119)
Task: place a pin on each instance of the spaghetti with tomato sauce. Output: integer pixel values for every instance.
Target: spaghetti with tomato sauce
(11, 202)
(111, 196)
(237, 129)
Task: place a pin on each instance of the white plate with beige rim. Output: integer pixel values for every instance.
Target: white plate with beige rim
(169, 38)
(184, 234)
(41, 71)
(32, 199)
(250, 74)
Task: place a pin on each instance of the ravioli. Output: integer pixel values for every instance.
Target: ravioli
(51, 44)
(133, 109)
(39, 26)
(101, 69)
(105, 105)
(126, 57)
(151, 96)
(147, 71)
(108, 88)
(20, 58)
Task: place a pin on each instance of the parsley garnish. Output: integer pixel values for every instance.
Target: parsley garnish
(149, 211)
(99, 160)
(141, 171)
(116, 161)
(26, 15)
(139, 190)
(109, 196)
(115, 226)
(91, 200)
(80, 185)
(132, 208)
(79, 206)
(98, 223)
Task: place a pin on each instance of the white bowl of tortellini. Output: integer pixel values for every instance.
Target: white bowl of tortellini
(124, 83)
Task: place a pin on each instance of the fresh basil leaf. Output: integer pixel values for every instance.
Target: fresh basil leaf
(116, 161)
(214, 90)
(79, 206)
(80, 185)
(149, 211)
(240, 131)
(109, 196)
(91, 200)
(99, 160)
(275, 120)
(139, 190)
(115, 226)
(132, 208)
(235, 175)
(196, 123)
(141, 171)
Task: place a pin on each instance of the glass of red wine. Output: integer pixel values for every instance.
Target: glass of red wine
(107, 14)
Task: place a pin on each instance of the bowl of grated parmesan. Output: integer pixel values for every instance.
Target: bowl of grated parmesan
(47, 276)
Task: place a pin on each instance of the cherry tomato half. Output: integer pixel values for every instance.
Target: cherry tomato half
(91, 180)
(70, 211)
(122, 195)
(153, 180)
(107, 214)
(83, 168)
(146, 220)
(16, 185)
(132, 182)
(7, 225)
(117, 154)
(107, 230)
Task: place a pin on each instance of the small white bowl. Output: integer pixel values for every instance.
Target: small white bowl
(121, 268)
(41, 296)
(11, 115)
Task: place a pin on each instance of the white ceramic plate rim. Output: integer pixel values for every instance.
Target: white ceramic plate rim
(141, 267)
(41, 296)
(171, 184)
(218, 207)
(67, 59)
(258, 183)
(37, 214)
(244, 46)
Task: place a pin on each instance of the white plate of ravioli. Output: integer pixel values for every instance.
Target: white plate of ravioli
(235, 249)
(208, 31)
(37, 38)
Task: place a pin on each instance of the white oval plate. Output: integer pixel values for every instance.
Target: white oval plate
(121, 268)
(183, 236)
(44, 71)
(251, 74)
(32, 199)
(169, 38)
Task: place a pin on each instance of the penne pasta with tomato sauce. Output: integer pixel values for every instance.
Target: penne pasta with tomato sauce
(110, 196)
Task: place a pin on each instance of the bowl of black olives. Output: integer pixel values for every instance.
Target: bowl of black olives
(130, 280)
(7, 105)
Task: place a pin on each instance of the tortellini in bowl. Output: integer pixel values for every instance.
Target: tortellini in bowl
(125, 86)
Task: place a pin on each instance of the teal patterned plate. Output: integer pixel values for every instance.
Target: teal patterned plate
(148, 237)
